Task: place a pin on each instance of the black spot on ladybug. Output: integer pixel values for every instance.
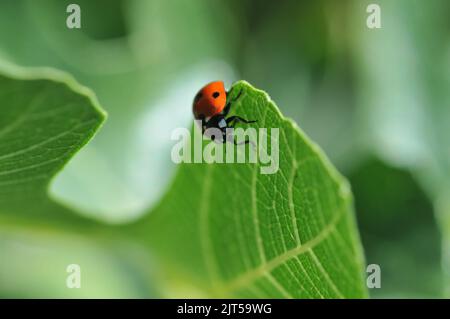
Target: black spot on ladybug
(215, 95)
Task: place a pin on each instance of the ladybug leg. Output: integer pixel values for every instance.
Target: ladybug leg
(229, 137)
(247, 141)
(232, 120)
(241, 143)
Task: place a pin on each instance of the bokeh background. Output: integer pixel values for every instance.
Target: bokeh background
(376, 100)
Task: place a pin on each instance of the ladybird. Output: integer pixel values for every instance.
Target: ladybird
(211, 106)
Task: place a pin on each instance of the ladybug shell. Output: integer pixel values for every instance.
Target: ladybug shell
(210, 100)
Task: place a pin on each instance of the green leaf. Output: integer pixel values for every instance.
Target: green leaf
(45, 118)
(386, 197)
(221, 230)
(229, 231)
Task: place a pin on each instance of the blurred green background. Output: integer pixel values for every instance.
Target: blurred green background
(376, 100)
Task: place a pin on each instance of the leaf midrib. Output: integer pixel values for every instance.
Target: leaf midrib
(247, 277)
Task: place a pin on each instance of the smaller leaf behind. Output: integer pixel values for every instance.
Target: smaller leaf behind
(45, 118)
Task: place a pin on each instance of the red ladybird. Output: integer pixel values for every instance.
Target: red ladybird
(211, 106)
